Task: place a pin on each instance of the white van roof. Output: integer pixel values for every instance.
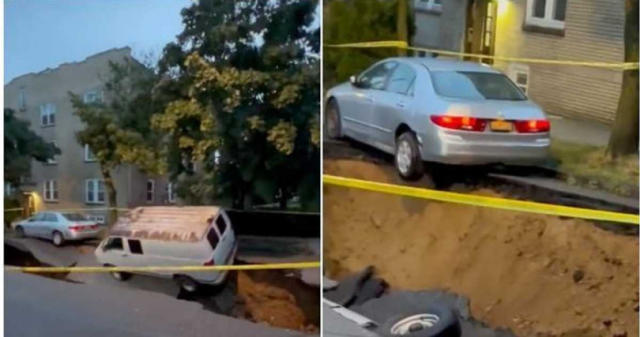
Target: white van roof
(169, 223)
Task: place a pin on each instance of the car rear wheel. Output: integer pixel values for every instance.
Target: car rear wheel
(407, 157)
(19, 231)
(332, 120)
(57, 238)
(187, 283)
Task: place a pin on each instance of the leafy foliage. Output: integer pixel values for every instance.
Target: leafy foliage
(244, 82)
(21, 145)
(357, 21)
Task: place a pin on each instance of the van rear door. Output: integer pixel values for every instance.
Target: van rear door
(223, 249)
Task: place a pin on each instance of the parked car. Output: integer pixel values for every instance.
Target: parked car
(442, 111)
(59, 227)
(172, 236)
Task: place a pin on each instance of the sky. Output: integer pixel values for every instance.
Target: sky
(42, 34)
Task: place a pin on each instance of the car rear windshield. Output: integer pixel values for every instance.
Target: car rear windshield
(74, 217)
(475, 85)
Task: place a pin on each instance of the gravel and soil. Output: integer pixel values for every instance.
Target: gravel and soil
(538, 275)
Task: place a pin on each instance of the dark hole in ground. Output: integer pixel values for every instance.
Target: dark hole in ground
(22, 257)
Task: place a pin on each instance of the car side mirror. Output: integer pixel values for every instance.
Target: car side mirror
(354, 81)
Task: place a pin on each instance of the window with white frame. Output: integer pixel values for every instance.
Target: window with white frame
(8, 189)
(50, 190)
(22, 100)
(546, 13)
(47, 114)
(53, 160)
(94, 191)
(93, 96)
(151, 186)
(519, 74)
(428, 5)
(171, 193)
(88, 154)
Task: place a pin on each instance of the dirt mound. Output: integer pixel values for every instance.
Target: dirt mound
(538, 275)
(285, 302)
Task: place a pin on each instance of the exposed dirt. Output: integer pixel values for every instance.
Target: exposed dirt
(273, 298)
(535, 274)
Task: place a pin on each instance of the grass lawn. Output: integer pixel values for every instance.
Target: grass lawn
(589, 166)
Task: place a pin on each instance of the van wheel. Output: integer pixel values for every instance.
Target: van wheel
(19, 231)
(186, 283)
(119, 275)
(57, 238)
(407, 157)
(434, 321)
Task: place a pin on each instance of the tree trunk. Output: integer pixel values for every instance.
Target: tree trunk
(111, 198)
(401, 25)
(624, 133)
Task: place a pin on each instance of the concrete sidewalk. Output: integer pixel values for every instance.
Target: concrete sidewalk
(579, 131)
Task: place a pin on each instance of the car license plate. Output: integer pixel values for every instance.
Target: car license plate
(502, 126)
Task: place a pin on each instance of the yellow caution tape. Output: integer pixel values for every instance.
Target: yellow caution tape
(292, 265)
(483, 201)
(404, 45)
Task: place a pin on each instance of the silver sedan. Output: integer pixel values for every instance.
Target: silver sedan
(58, 227)
(443, 111)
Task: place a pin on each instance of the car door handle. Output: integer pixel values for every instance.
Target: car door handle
(368, 99)
(401, 105)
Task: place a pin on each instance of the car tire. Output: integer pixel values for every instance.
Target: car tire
(407, 157)
(434, 320)
(119, 275)
(19, 232)
(186, 283)
(332, 120)
(57, 238)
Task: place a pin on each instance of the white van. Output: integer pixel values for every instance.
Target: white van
(171, 236)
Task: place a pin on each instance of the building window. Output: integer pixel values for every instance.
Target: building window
(48, 114)
(546, 13)
(171, 193)
(8, 189)
(88, 154)
(151, 185)
(519, 74)
(93, 96)
(94, 191)
(22, 100)
(50, 190)
(53, 160)
(428, 5)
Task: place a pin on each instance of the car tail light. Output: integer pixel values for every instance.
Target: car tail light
(459, 122)
(76, 227)
(211, 262)
(532, 126)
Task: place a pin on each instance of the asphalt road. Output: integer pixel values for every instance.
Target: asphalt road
(38, 306)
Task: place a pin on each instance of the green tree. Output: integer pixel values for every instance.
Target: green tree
(358, 21)
(117, 130)
(624, 134)
(21, 146)
(244, 76)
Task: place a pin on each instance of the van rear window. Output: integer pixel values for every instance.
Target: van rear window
(213, 238)
(222, 225)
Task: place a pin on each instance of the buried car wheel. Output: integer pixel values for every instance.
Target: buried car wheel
(407, 158)
(432, 321)
(119, 275)
(187, 283)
